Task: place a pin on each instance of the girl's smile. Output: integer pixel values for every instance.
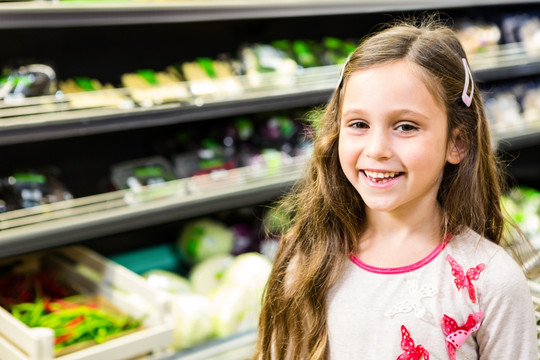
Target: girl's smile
(393, 139)
(380, 178)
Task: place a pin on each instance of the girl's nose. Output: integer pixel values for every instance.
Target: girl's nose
(378, 145)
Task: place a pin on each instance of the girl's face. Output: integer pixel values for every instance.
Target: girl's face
(393, 138)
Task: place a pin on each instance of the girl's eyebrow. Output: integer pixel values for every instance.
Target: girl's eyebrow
(393, 113)
(409, 113)
(352, 112)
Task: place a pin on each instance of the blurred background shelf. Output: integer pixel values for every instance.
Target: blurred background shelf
(53, 117)
(76, 14)
(236, 347)
(505, 61)
(48, 117)
(80, 219)
(514, 139)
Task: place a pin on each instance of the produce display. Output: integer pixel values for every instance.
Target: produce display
(203, 76)
(514, 107)
(258, 142)
(217, 286)
(42, 299)
(203, 238)
(25, 189)
(221, 76)
(147, 87)
(191, 313)
(262, 143)
(478, 36)
(207, 76)
(523, 205)
(206, 275)
(17, 288)
(74, 320)
(141, 172)
(167, 280)
(81, 93)
(222, 296)
(310, 53)
(522, 28)
(27, 81)
(237, 300)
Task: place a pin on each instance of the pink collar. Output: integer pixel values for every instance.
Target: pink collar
(403, 269)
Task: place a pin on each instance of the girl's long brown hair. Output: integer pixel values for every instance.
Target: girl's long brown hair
(327, 213)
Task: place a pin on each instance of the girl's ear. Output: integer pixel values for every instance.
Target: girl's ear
(456, 148)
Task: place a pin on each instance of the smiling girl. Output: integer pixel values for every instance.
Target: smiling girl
(393, 247)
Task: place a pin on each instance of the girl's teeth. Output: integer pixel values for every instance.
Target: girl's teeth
(378, 175)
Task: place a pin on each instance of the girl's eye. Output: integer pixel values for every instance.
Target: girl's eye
(359, 125)
(406, 127)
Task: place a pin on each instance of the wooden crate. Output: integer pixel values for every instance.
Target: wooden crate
(91, 274)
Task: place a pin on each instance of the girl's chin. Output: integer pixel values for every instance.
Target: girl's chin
(381, 209)
(379, 206)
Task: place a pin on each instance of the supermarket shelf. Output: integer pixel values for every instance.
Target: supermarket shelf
(68, 14)
(236, 347)
(68, 115)
(52, 117)
(70, 221)
(109, 120)
(85, 218)
(521, 137)
(503, 62)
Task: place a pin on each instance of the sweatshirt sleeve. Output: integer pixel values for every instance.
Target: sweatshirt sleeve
(508, 329)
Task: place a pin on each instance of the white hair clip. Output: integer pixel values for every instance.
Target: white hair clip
(343, 70)
(467, 99)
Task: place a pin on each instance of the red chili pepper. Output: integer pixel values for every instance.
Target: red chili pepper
(75, 321)
(62, 338)
(66, 304)
(47, 305)
(92, 305)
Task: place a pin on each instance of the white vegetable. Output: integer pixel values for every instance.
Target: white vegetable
(167, 281)
(234, 309)
(250, 270)
(203, 238)
(206, 276)
(193, 322)
(236, 305)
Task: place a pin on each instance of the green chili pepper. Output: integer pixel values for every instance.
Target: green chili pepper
(73, 323)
